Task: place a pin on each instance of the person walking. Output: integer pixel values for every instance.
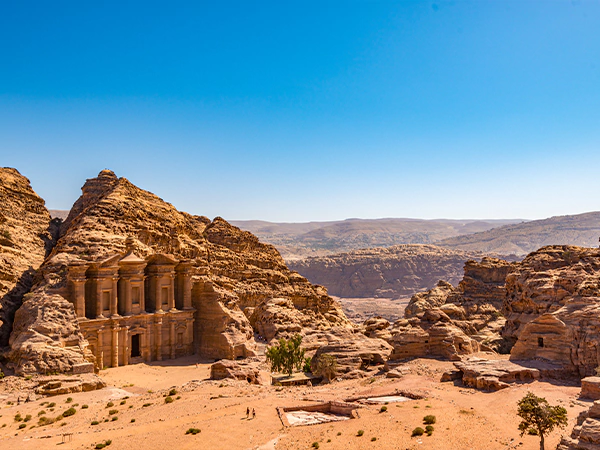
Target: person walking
(253, 413)
(247, 412)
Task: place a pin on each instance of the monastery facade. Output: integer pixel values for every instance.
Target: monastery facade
(134, 310)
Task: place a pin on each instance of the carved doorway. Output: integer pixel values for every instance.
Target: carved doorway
(135, 346)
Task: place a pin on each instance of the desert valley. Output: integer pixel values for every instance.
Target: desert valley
(126, 317)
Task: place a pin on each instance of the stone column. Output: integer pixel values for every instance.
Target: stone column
(99, 314)
(171, 292)
(158, 296)
(100, 350)
(158, 337)
(127, 299)
(172, 337)
(113, 298)
(126, 346)
(187, 291)
(115, 346)
(79, 293)
(143, 298)
(189, 328)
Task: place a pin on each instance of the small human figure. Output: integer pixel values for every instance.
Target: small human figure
(247, 412)
(18, 400)
(253, 413)
(196, 365)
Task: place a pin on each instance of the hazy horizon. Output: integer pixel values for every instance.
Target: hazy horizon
(316, 112)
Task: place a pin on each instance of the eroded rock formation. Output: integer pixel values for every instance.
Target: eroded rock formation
(553, 308)
(25, 236)
(393, 272)
(586, 432)
(448, 321)
(227, 273)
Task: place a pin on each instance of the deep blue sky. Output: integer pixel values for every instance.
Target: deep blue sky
(323, 110)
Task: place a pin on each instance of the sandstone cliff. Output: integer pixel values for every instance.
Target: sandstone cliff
(25, 236)
(553, 308)
(233, 273)
(473, 306)
(392, 272)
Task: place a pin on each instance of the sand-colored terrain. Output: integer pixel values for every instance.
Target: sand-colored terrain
(465, 418)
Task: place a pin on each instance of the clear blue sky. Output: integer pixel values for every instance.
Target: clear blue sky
(318, 111)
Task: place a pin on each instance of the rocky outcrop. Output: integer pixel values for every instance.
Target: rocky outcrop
(553, 308)
(393, 272)
(432, 334)
(492, 375)
(234, 276)
(352, 351)
(46, 337)
(586, 432)
(590, 388)
(236, 370)
(25, 237)
(448, 321)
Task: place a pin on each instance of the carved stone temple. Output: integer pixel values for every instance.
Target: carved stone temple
(132, 310)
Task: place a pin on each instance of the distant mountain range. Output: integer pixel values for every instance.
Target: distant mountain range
(299, 240)
(520, 239)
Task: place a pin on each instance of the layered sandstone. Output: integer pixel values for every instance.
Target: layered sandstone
(25, 237)
(553, 308)
(393, 272)
(586, 432)
(233, 275)
(449, 321)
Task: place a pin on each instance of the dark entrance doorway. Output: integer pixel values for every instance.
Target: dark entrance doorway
(135, 346)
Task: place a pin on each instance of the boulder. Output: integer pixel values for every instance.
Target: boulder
(590, 388)
(237, 370)
(493, 375)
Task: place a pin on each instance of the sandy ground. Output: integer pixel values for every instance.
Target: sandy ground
(465, 418)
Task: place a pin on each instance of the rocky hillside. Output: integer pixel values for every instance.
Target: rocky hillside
(522, 238)
(25, 236)
(299, 240)
(393, 272)
(234, 272)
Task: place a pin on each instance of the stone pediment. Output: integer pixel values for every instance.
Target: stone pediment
(160, 259)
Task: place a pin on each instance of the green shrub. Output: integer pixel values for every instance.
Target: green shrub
(100, 445)
(373, 439)
(429, 420)
(114, 418)
(84, 406)
(360, 432)
(123, 402)
(41, 413)
(169, 399)
(69, 400)
(27, 418)
(145, 405)
(113, 411)
(51, 405)
(315, 445)
(69, 412)
(383, 409)
(95, 422)
(110, 404)
(108, 442)
(23, 425)
(193, 431)
(132, 420)
(18, 417)
(418, 431)
(429, 430)
(173, 392)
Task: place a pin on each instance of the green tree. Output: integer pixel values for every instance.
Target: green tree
(539, 417)
(287, 355)
(326, 367)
